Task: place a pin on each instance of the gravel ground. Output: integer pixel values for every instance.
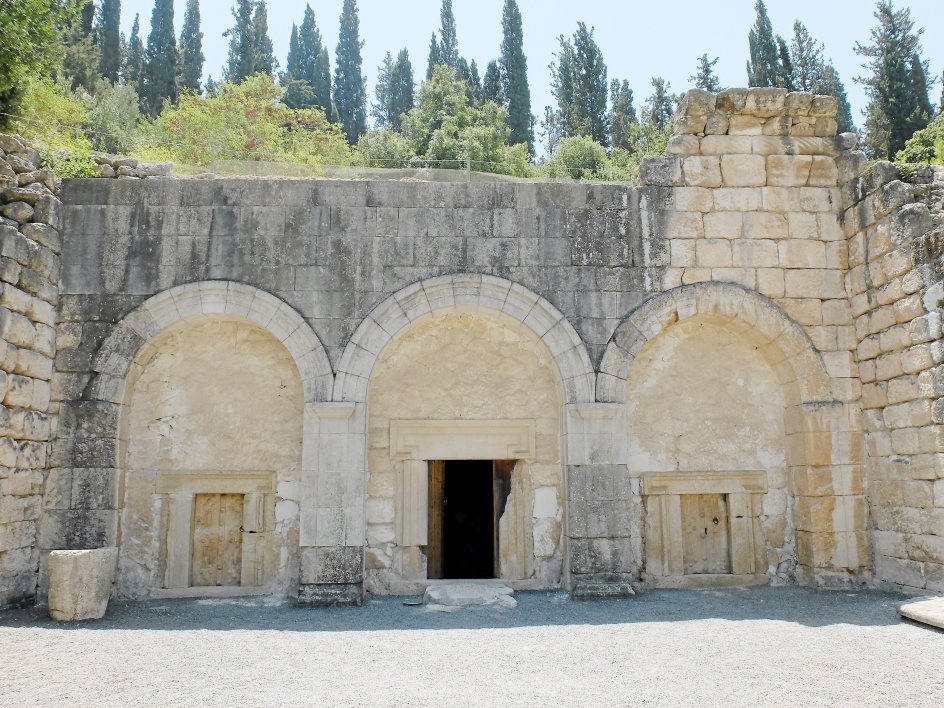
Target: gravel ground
(761, 646)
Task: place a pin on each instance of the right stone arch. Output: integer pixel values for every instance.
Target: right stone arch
(816, 489)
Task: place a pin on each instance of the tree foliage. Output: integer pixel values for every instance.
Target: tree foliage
(898, 85)
(81, 56)
(394, 91)
(246, 121)
(113, 120)
(191, 49)
(263, 54)
(769, 65)
(516, 93)
(812, 72)
(350, 86)
(925, 145)
(660, 106)
(492, 84)
(30, 45)
(159, 75)
(448, 36)
(704, 77)
(622, 114)
(307, 78)
(578, 83)
(133, 63)
(108, 38)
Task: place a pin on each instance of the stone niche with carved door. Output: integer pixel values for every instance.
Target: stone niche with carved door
(217, 529)
(703, 528)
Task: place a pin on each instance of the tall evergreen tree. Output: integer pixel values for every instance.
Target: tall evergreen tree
(766, 66)
(898, 86)
(514, 75)
(242, 43)
(434, 56)
(394, 91)
(81, 55)
(263, 55)
(830, 85)
(473, 85)
(660, 106)
(350, 92)
(108, 37)
(492, 84)
(322, 86)
(448, 38)
(811, 72)
(133, 55)
(307, 79)
(784, 66)
(578, 82)
(159, 75)
(622, 114)
(191, 48)
(704, 76)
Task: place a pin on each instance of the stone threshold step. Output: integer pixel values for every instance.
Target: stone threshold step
(926, 610)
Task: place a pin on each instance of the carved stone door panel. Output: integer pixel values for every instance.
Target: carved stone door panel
(217, 539)
(705, 547)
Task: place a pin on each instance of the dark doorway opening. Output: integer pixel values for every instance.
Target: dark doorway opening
(466, 500)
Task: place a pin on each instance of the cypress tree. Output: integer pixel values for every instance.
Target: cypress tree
(134, 55)
(449, 40)
(434, 56)
(293, 59)
(590, 86)
(263, 56)
(492, 84)
(322, 86)
(898, 86)
(514, 75)
(473, 86)
(191, 48)
(622, 114)
(108, 36)
(240, 62)
(159, 75)
(350, 93)
(81, 55)
(394, 91)
(475, 83)
(660, 106)
(811, 72)
(704, 76)
(784, 66)
(766, 67)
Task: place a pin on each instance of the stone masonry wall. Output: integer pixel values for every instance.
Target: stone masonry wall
(896, 234)
(30, 222)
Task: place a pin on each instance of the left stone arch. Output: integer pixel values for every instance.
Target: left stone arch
(117, 356)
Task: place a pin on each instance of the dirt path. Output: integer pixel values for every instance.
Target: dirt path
(765, 646)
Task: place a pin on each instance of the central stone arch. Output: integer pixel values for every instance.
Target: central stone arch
(466, 379)
(465, 289)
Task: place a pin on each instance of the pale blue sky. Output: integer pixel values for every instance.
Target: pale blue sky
(638, 39)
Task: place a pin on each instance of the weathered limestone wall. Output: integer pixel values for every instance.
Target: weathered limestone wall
(717, 329)
(895, 284)
(30, 222)
(466, 365)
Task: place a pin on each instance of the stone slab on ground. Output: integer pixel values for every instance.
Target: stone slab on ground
(80, 583)
(927, 610)
(469, 594)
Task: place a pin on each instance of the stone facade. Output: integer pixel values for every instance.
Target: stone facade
(727, 374)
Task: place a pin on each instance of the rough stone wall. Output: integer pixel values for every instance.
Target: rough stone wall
(30, 222)
(896, 234)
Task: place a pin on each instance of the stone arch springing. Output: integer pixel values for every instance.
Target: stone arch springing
(784, 344)
(462, 290)
(116, 358)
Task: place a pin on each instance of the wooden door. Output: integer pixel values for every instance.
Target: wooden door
(501, 488)
(434, 545)
(217, 539)
(705, 534)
